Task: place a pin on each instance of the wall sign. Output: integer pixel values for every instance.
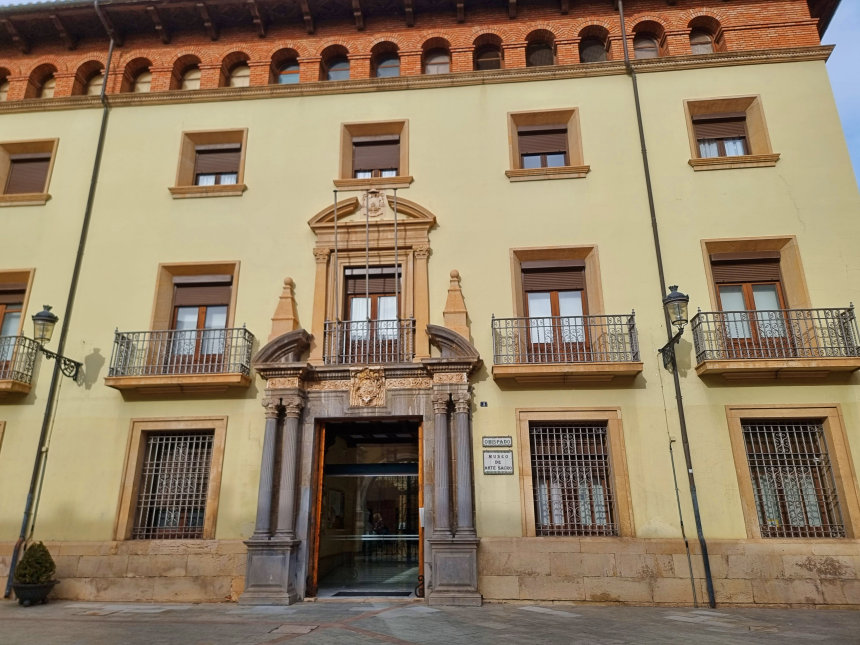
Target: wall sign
(497, 442)
(498, 462)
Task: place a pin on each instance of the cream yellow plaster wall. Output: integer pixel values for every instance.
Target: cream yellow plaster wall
(459, 152)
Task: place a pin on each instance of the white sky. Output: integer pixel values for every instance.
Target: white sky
(843, 66)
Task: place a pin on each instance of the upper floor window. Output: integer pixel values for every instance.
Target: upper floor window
(721, 135)
(211, 163)
(488, 57)
(240, 75)
(545, 141)
(46, 90)
(217, 164)
(142, 82)
(337, 68)
(191, 78)
(592, 50)
(387, 65)
(11, 304)
(540, 52)
(646, 45)
(94, 85)
(543, 146)
(200, 311)
(4, 89)
(701, 42)
(376, 156)
(27, 170)
(288, 72)
(375, 150)
(437, 61)
(555, 302)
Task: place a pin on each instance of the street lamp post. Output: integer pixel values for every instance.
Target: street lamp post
(675, 304)
(43, 329)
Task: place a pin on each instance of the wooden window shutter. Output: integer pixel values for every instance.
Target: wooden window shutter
(218, 158)
(553, 275)
(376, 153)
(28, 173)
(198, 291)
(720, 126)
(12, 293)
(380, 281)
(542, 139)
(745, 267)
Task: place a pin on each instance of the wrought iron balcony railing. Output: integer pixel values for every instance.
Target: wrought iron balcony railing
(17, 356)
(565, 339)
(369, 342)
(775, 334)
(181, 352)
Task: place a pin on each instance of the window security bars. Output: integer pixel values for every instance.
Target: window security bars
(369, 341)
(565, 339)
(779, 333)
(174, 483)
(181, 352)
(795, 493)
(571, 479)
(17, 356)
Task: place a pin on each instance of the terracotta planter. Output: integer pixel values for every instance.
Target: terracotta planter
(33, 594)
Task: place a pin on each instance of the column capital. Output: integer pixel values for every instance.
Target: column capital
(462, 401)
(422, 251)
(293, 406)
(272, 407)
(321, 255)
(440, 402)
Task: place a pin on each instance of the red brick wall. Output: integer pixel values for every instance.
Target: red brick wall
(745, 25)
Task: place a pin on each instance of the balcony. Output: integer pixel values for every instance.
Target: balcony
(565, 349)
(17, 357)
(776, 343)
(369, 342)
(198, 360)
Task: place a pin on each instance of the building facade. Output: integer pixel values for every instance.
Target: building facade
(367, 301)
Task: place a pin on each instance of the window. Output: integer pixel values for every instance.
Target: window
(173, 479)
(25, 171)
(190, 79)
(375, 151)
(573, 472)
(437, 61)
(337, 69)
(555, 304)
(240, 75)
(4, 89)
(371, 306)
(488, 57)
(142, 82)
(46, 90)
(592, 50)
(540, 53)
(200, 308)
(217, 164)
(701, 42)
(545, 145)
(94, 85)
(11, 306)
(387, 65)
(728, 133)
(645, 45)
(211, 164)
(288, 72)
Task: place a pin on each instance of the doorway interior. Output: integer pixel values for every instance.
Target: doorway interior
(368, 518)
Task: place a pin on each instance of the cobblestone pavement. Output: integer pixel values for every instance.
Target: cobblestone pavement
(402, 623)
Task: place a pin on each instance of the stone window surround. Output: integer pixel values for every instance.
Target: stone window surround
(138, 430)
(839, 452)
(162, 306)
(17, 276)
(8, 148)
(761, 153)
(184, 186)
(568, 116)
(617, 462)
(346, 180)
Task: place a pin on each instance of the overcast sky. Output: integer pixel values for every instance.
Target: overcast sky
(844, 68)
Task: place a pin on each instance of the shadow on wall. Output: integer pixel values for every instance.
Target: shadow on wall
(93, 364)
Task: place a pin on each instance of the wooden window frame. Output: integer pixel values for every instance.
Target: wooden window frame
(349, 131)
(30, 146)
(593, 302)
(620, 478)
(138, 431)
(838, 450)
(185, 172)
(569, 117)
(758, 144)
(163, 307)
(25, 277)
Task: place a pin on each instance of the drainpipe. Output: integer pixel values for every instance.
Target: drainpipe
(35, 490)
(709, 582)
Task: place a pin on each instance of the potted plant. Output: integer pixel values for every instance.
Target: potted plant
(34, 575)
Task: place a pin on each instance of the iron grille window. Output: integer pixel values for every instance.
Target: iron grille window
(174, 483)
(571, 479)
(792, 480)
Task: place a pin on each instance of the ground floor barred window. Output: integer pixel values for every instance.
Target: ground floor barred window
(571, 479)
(792, 478)
(173, 485)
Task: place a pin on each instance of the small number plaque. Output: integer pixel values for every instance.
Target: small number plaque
(498, 462)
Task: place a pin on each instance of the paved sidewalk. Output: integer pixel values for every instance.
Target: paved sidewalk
(402, 623)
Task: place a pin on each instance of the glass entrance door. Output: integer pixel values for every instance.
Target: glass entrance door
(369, 532)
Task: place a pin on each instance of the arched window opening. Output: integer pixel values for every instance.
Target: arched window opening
(142, 82)
(94, 85)
(488, 57)
(288, 72)
(46, 91)
(4, 89)
(437, 61)
(539, 53)
(646, 45)
(191, 78)
(337, 69)
(701, 42)
(592, 50)
(240, 75)
(387, 65)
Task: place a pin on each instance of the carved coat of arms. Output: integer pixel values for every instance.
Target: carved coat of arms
(367, 388)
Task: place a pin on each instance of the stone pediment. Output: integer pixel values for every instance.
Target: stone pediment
(377, 208)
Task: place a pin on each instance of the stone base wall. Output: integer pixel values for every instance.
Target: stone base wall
(145, 571)
(656, 572)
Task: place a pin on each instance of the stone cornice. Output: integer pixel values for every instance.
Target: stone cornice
(516, 75)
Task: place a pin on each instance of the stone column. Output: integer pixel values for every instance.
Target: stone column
(463, 430)
(421, 282)
(286, 528)
(320, 315)
(442, 464)
(262, 528)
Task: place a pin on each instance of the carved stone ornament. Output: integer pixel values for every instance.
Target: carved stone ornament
(367, 388)
(375, 204)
